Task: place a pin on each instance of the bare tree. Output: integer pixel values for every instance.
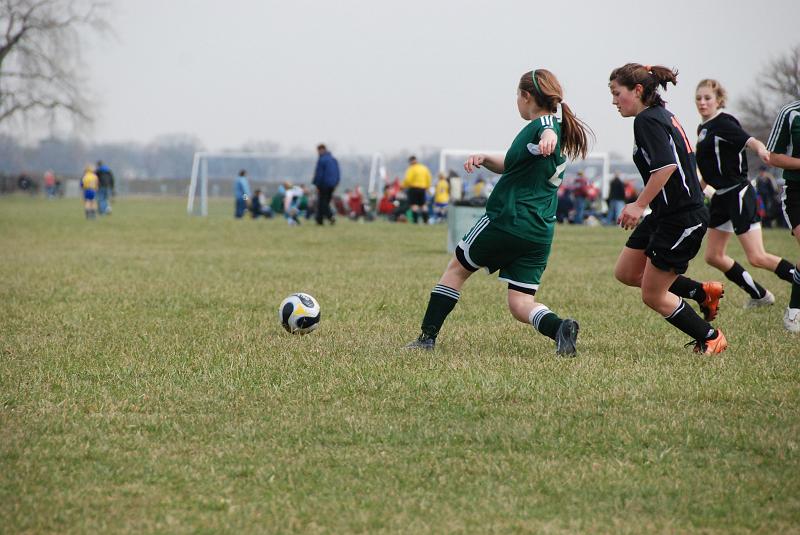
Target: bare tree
(40, 60)
(778, 84)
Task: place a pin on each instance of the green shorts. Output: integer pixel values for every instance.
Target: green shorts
(521, 262)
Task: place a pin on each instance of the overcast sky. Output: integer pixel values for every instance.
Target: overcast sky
(367, 76)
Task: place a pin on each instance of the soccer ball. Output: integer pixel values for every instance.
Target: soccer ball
(299, 313)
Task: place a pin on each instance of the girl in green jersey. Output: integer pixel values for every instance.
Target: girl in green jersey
(515, 234)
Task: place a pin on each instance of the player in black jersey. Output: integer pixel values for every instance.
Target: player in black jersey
(660, 248)
(721, 142)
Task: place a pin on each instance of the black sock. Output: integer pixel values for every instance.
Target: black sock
(688, 289)
(785, 270)
(745, 281)
(794, 299)
(414, 217)
(545, 321)
(686, 319)
(443, 300)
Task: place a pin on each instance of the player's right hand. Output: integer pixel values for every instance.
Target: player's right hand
(476, 160)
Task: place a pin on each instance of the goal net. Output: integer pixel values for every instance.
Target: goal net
(217, 171)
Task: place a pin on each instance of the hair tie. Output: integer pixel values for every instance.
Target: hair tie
(535, 83)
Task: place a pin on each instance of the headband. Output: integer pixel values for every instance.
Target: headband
(535, 83)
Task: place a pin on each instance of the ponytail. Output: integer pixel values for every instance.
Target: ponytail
(575, 136)
(544, 87)
(649, 77)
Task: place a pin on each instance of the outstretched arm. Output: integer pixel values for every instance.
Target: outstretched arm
(783, 161)
(494, 163)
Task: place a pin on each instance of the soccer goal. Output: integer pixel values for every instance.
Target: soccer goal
(265, 169)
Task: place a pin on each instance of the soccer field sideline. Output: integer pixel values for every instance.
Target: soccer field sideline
(147, 385)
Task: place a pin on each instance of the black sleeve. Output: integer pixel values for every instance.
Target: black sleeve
(729, 129)
(654, 140)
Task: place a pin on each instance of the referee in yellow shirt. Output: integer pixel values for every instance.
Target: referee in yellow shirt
(417, 182)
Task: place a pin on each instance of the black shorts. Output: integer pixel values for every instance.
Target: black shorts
(734, 211)
(790, 201)
(671, 241)
(416, 196)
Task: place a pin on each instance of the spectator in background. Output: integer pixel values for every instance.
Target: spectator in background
(355, 204)
(50, 184)
(579, 193)
(291, 203)
(106, 189)
(259, 206)
(241, 194)
(326, 178)
(765, 188)
(386, 204)
(89, 185)
(564, 205)
(616, 199)
(417, 182)
(441, 198)
(276, 204)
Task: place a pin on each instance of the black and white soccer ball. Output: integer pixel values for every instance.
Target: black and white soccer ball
(299, 313)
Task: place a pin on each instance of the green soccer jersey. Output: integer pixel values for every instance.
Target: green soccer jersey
(523, 202)
(785, 137)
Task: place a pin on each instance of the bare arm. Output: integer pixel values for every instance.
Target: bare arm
(783, 161)
(494, 163)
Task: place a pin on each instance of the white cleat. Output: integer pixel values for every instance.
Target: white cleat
(767, 300)
(791, 320)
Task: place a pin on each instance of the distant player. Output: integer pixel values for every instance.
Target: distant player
(784, 148)
(721, 142)
(515, 234)
(662, 244)
(89, 185)
(417, 182)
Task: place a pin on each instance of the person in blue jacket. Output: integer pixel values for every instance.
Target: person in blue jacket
(241, 194)
(326, 178)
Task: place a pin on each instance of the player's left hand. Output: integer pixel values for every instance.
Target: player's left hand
(547, 143)
(630, 216)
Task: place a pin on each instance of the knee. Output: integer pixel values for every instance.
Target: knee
(627, 278)
(713, 258)
(758, 260)
(520, 306)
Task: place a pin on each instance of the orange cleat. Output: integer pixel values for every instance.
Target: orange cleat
(710, 305)
(712, 347)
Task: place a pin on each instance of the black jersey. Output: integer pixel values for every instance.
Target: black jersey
(660, 142)
(720, 151)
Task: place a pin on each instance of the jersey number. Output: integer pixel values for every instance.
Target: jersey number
(677, 125)
(556, 179)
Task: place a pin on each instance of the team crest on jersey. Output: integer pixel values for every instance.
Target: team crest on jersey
(534, 149)
(702, 135)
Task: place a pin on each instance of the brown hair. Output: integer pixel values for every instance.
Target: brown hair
(716, 87)
(547, 93)
(649, 77)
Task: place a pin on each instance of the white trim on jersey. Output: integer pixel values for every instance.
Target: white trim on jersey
(778, 125)
(677, 162)
(716, 151)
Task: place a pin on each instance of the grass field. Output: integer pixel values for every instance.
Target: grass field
(147, 386)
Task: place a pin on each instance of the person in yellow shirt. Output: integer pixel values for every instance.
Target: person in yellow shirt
(417, 182)
(89, 185)
(441, 199)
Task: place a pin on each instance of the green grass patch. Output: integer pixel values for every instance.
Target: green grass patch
(146, 386)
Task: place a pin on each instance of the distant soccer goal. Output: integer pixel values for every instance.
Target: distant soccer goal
(267, 170)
